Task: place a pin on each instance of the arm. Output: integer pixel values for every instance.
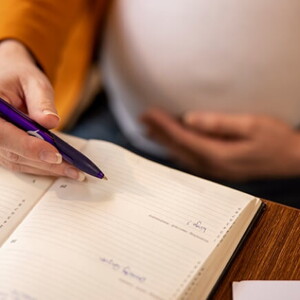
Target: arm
(33, 31)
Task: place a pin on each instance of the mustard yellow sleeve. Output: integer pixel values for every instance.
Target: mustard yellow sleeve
(41, 25)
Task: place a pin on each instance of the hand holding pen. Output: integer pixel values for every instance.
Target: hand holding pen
(28, 89)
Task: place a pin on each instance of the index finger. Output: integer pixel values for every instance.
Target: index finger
(196, 142)
(232, 125)
(19, 142)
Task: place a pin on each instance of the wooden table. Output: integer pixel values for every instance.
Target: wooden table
(271, 251)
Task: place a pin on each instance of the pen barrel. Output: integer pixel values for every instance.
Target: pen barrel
(69, 154)
(22, 121)
(76, 158)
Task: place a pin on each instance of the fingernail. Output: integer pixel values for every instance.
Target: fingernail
(51, 157)
(75, 174)
(49, 112)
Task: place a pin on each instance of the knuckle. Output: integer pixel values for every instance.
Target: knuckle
(57, 169)
(43, 84)
(52, 168)
(11, 156)
(10, 165)
(32, 147)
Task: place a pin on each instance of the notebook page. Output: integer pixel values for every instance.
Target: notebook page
(20, 192)
(216, 263)
(143, 234)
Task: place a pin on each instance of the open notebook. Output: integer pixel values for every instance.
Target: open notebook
(149, 232)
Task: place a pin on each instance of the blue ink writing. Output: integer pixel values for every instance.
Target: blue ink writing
(198, 225)
(125, 270)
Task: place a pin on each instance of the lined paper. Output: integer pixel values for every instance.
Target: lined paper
(143, 234)
(18, 194)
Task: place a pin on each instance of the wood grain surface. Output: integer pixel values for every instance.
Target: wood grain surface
(270, 252)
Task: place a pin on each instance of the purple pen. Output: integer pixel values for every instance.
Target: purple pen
(69, 154)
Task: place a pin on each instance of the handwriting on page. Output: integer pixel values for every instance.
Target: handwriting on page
(109, 241)
(143, 234)
(198, 225)
(187, 206)
(123, 270)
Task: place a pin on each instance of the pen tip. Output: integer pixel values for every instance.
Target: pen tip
(100, 175)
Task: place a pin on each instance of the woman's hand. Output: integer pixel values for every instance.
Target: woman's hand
(231, 147)
(27, 88)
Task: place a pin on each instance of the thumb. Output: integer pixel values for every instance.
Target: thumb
(230, 125)
(39, 96)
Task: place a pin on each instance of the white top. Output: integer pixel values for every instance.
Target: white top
(219, 55)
